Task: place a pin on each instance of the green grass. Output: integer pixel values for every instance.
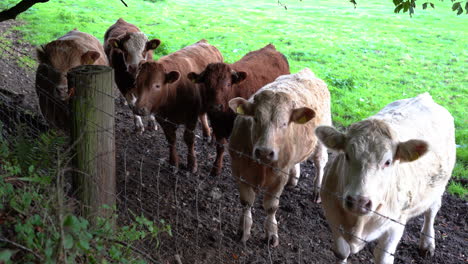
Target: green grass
(369, 56)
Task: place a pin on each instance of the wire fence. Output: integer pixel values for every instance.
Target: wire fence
(203, 211)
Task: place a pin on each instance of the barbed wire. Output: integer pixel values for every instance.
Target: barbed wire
(173, 170)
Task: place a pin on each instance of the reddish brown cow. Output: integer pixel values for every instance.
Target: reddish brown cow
(222, 82)
(56, 58)
(162, 87)
(125, 46)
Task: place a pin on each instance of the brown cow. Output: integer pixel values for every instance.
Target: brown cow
(56, 58)
(126, 46)
(162, 88)
(222, 82)
(272, 135)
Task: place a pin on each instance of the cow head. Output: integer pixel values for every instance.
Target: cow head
(273, 115)
(151, 86)
(217, 80)
(369, 154)
(61, 56)
(135, 48)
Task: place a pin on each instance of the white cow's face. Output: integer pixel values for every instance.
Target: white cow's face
(369, 157)
(135, 48)
(272, 115)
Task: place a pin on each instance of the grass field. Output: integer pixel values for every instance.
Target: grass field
(369, 56)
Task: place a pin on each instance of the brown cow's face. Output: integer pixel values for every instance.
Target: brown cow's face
(370, 155)
(272, 115)
(135, 48)
(152, 84)
(217, 81)
(61, 56)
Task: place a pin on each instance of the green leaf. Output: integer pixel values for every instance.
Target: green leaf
(424, 5)
(456, 6)
(432, 5)
(68, 241)
(466, 7)
(398, 8)
(397, 2)
(6, 254)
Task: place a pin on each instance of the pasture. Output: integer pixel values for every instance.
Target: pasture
(368, 57)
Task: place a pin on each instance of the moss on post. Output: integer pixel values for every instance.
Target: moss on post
(92, 133)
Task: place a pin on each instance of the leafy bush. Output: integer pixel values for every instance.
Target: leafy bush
(37, 223)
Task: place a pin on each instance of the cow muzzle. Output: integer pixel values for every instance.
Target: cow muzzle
(265, 154)
(358, 204)
(132, 69)
(141, 111)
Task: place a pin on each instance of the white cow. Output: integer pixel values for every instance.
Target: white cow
(396, 164)
(276, 127)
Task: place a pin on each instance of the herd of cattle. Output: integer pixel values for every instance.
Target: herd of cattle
(387, 169)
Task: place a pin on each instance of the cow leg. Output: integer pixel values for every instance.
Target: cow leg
(426, 240)
(152, 125)
(294, 174)
(189, 138)
(218, 163)
(387, 244)
(271, 204)
(139, 127)
(170, 133)
(205, 127)
(320, 158)
(247, 198)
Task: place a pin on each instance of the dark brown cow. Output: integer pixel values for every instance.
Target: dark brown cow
(56, 58)
(222, 82)
(125, 46)
(162, 87)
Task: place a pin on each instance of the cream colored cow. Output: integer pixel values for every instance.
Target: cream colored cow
(276, 127)
(396, 164)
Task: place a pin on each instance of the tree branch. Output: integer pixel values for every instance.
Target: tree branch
(22, 6)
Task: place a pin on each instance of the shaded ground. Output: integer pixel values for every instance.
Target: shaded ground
(204, 211)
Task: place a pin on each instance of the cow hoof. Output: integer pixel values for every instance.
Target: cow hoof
(316, 197)
(152, 127)
(215, 171)
(139, 129)
(292, 182)
(273, 241)
(426, 252)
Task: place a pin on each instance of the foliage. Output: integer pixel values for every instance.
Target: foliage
(36, 225)
(408, 6)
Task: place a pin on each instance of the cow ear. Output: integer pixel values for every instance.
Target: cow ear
(152, 44)
(195, 78)
(331, 138)
(411, 150)
(172, 76)
(238, 77)
(41, 55)
(241, 106)
(302, 115)
(90, 57)
(114, 43)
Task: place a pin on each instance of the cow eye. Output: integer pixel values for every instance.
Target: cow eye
(387, 163)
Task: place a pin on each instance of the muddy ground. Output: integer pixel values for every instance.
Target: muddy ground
(203, 211)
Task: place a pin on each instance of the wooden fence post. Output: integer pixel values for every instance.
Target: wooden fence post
(92, 133)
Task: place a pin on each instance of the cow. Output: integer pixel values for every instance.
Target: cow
(389, 168)
(162, 88)
(56, 58)
(222, 82)
(126, 46)
(272, 135)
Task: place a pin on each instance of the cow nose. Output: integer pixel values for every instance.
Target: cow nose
(132, 68)
(263, 153)
(359, 204)
(142, 111)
